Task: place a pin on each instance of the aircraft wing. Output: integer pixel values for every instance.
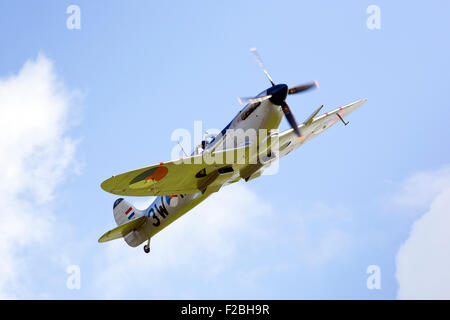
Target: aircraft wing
(288, 139)
(188, 175)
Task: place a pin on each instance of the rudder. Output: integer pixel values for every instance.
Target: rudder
(124, 211)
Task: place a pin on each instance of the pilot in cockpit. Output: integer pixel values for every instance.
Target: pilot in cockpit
(204, 144)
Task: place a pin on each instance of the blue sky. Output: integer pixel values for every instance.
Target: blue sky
(134, 73)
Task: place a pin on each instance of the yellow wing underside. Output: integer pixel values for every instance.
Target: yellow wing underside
(189, 175)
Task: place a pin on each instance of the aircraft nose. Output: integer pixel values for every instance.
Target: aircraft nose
(279, 93)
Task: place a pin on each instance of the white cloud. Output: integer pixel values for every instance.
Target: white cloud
(419, 190)
(35, 156)
(423, 261)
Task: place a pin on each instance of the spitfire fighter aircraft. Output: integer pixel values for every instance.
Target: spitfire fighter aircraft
(242, 150)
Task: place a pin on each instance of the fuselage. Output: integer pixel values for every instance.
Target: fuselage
(264, 116)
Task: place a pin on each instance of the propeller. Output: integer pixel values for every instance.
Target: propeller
(303, 87)
(261, 64)
(278, 94)
(244, 100)
(291, 119)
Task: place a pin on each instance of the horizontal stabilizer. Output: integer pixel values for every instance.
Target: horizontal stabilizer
(122, 230)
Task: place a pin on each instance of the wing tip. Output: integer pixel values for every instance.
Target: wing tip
(106, 185)
(357, 103)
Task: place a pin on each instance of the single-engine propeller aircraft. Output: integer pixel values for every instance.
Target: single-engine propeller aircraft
(233, 154)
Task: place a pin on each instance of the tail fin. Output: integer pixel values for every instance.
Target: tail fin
(125, 212)
(129, 220)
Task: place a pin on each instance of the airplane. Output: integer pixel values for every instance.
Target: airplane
(219, 160)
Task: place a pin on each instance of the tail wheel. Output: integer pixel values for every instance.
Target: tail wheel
(146, 248)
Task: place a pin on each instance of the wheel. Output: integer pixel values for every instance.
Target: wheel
(146, 249)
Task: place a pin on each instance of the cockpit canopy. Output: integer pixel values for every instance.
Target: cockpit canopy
(209, 138)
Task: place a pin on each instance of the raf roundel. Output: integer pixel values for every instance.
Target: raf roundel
(153, 174)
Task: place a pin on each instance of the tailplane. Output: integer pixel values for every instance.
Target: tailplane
(123, 231)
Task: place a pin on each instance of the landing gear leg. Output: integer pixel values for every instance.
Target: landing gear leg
(147, 247)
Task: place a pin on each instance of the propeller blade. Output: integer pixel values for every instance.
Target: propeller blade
(261, 64)
(291, 119)
(303, 87)
(244, 100)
